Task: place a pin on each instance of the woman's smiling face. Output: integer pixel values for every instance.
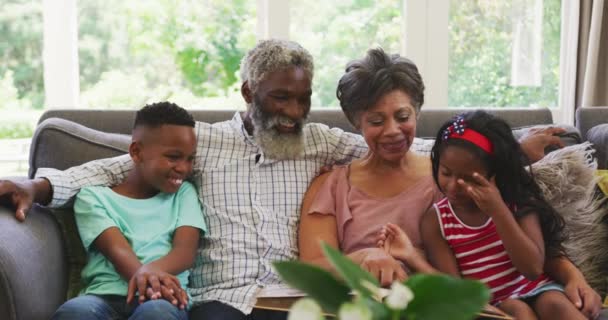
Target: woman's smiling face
(389, 126)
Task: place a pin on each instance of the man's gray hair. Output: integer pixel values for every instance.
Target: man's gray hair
(273, 55)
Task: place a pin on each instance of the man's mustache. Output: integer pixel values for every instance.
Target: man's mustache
(275, 120)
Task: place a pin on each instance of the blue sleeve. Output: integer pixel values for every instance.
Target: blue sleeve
(92, 218)
(190, 210)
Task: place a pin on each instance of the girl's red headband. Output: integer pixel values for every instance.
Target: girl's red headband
(459, 130)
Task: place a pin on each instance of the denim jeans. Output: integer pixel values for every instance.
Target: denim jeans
(215, 310)
(111, 307)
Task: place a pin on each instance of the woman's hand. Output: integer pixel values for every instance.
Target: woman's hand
(382, 266)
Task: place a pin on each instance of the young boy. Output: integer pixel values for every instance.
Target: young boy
(142, 235)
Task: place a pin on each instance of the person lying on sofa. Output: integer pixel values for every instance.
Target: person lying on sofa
(141, 236)
(251, 172)
(381, 95)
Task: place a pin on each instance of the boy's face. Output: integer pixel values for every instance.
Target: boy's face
(164, 155)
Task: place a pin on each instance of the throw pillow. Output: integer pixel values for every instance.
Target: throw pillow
(568, 180)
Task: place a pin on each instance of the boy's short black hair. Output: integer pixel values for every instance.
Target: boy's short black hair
(161, 113)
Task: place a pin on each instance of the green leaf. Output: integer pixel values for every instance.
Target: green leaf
(350, 271)
(317, 283)
(379, 310)
(443, 296)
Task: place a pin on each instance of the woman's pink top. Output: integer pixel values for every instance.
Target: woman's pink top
(360, 217)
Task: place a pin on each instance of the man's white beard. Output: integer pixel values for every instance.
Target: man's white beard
(276, 145)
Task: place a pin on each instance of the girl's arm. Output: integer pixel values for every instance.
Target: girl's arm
(522, 238)
(438, 251)
(523, 241)
(316, 228)
(576, 287)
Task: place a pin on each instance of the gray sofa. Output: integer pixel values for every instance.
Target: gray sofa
(592, 122)
(36, 256)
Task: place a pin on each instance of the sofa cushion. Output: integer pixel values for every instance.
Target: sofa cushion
(598, 135)
(568, 179)
(61, 144)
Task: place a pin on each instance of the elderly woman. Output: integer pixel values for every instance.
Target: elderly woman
(381, 95)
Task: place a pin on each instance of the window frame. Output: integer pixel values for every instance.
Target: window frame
(425, 28)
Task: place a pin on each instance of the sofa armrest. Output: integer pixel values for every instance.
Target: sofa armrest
(33, 267)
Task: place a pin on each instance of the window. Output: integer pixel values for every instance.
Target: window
(504, 53)
(337, 31)
(188, 51)
(21, 81)
(129, 53)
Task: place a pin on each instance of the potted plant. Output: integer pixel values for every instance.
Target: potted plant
(358, 295)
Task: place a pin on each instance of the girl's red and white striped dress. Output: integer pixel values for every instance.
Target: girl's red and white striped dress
(481, 255)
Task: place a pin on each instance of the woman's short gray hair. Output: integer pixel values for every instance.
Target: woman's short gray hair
(367, 80)
(273, 55)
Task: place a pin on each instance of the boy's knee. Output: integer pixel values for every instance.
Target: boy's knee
(84, 307)
(158, 309)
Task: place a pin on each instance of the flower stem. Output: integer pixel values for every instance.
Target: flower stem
(395, 315)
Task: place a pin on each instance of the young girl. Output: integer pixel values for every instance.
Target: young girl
(493, 224)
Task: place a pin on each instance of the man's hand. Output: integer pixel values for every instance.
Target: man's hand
(534, 142)
(584, 298)
(153, 283)
(382, 266)
(18, 195)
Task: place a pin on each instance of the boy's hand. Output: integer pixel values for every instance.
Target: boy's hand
(395, 242)
(154, 283)
(179, 298)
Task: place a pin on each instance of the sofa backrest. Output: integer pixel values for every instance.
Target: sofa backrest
(121, 121)
(589, 117)
(69, 137)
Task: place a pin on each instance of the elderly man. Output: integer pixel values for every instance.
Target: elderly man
(252, 172)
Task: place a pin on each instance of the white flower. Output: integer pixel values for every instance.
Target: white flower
(377, 293)
(305, 309)
(354, 311)
(399, 296)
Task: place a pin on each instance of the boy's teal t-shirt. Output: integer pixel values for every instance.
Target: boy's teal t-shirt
(147, 224)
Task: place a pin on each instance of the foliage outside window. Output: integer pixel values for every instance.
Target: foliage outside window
(21, 81)
(187, 51)
(337, 31)
(481, 43)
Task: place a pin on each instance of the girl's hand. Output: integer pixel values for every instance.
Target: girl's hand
(396, 242)
(484, 193)
(584, 298)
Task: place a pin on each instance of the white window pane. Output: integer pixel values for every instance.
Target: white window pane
(188, 51)
(337, 31)
(504, 53)
(21, 81)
